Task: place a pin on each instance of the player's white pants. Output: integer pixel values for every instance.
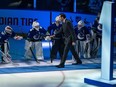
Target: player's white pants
(96, 47)
(83, 49)
(80, 48)
(6, 56)
(38, 49)
(87, 50)
(77, 50)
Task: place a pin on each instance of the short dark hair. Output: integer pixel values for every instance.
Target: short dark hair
(63, 15)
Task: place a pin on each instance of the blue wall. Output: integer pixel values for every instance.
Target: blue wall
(21, 20)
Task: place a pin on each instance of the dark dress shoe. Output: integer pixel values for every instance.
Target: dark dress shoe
(77, 63)
(60, 66)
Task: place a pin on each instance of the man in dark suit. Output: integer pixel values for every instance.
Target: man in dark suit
(69, 40)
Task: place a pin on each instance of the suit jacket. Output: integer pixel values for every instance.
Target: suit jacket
(67, 31)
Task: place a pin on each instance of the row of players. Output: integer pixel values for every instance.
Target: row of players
(88, 40)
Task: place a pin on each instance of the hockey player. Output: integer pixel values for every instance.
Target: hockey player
(4, 37)
(97, 41)
(57, 42)
(83, 40)
(34, 40)
(97, 32)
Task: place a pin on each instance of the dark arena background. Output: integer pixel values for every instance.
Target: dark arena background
(20, 14)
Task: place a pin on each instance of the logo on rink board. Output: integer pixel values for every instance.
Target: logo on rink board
(17, 21)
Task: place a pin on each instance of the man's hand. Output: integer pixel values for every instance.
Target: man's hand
(73, 43)
(52, 36)
(47, 38)
(18, 37)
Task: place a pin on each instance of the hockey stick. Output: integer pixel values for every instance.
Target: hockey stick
(50, 49)
(9, 59)
(34, 55)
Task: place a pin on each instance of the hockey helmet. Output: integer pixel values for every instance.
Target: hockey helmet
(8, 29)
(57, 18)
(81, 23)
(36, 25)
